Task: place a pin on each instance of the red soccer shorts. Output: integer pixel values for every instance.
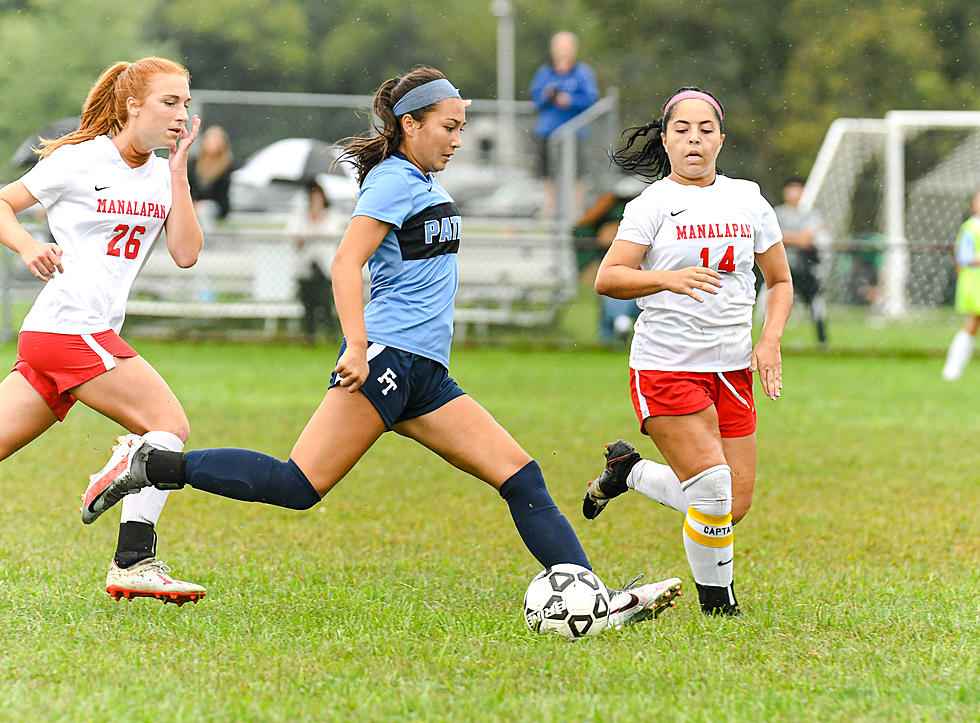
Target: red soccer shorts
(55, 363)
(658, 393)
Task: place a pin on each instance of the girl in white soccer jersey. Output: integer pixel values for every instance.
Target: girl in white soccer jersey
(392, 372)
(107, 197)
(685, 250)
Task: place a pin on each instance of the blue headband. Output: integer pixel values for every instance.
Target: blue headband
(425, 94)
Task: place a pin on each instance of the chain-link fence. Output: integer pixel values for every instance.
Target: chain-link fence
(275, 280)
(516, 267)
(519, 269)
(490, 176)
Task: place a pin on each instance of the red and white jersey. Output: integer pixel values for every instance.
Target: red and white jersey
(721, 226)
(105, 216)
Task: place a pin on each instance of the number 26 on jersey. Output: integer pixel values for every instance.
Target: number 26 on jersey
(727, 262)
(131, 245)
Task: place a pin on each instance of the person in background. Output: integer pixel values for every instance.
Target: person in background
(560, 91)
(209, 174)
(594, 233)
(314, 227)
(967, 259)
(805, 241)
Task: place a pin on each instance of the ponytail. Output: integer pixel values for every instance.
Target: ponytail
(650, 160)
(364, 153)
(104, 112)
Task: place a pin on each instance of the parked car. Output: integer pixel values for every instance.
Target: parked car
(274, 178)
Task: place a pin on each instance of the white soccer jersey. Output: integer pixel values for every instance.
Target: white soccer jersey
(105, 216)
(721, 226)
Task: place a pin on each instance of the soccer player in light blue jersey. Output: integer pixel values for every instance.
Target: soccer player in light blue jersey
(392, 371)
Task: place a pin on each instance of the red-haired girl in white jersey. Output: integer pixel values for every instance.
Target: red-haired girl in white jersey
(108, 197)
(685, 250)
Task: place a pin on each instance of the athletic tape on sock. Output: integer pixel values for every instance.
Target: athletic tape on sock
(707, 532)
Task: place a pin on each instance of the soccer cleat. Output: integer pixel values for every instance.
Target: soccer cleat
(718, 600)
(150, 578)
(620, 458)
(633, 604)
(123, 474)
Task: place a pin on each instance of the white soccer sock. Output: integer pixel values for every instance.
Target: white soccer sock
(960, 351)
(708, 538)
(147, 504)
(659, 483)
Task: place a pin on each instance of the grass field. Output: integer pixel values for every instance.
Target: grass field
(398, 597)
(852, 329)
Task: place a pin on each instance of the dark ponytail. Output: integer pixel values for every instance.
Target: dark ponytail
(650, 160)
(364, 153)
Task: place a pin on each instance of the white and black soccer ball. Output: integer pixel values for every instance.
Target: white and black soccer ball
(566, 599)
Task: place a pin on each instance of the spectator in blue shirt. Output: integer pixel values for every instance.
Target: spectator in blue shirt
(560, 90)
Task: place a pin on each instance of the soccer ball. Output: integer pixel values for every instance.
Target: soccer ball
(566, 599)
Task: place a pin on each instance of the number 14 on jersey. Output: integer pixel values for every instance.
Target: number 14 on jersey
(727, 262)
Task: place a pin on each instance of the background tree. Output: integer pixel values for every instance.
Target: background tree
(51, 53)
(649, 48)
(783, 70)
(856, 61)
(226, 44)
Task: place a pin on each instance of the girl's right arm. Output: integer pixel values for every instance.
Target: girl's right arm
(620, 277)
(364, 235)
(41, 258)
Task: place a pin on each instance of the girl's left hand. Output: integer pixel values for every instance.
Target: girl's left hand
(767, 360)
(178, 151)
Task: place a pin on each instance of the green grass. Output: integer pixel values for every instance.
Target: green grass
(399, 596)
(852, 329)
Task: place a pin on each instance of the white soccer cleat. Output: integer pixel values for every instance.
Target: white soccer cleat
(150, 578)
(633, 604)
(118, 478)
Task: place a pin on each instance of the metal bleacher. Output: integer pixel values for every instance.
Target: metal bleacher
(511, 277)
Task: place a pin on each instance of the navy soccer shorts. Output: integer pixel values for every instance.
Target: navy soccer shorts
(402, 385)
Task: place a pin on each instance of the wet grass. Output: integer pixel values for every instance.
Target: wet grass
(398, 597)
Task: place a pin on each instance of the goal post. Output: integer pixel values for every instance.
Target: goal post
(900, 186)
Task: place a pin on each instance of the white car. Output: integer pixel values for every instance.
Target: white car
(274, 178)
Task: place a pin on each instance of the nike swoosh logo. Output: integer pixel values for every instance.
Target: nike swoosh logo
(634, 601)
(100, 188)
(678, 213)
(726, 562)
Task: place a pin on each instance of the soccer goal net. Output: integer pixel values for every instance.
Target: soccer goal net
(892, 193)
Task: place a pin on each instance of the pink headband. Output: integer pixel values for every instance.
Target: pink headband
(687, 94)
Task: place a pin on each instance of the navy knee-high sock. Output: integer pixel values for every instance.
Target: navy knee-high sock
(240, 474)
(545, 530)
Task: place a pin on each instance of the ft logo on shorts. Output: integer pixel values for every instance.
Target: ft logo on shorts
(387, 380)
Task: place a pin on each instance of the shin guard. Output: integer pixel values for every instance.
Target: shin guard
(708, 538)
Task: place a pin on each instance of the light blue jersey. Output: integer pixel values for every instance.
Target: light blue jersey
(413, 272)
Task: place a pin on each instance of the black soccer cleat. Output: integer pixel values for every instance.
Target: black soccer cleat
(620, 458)
(718, 600)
